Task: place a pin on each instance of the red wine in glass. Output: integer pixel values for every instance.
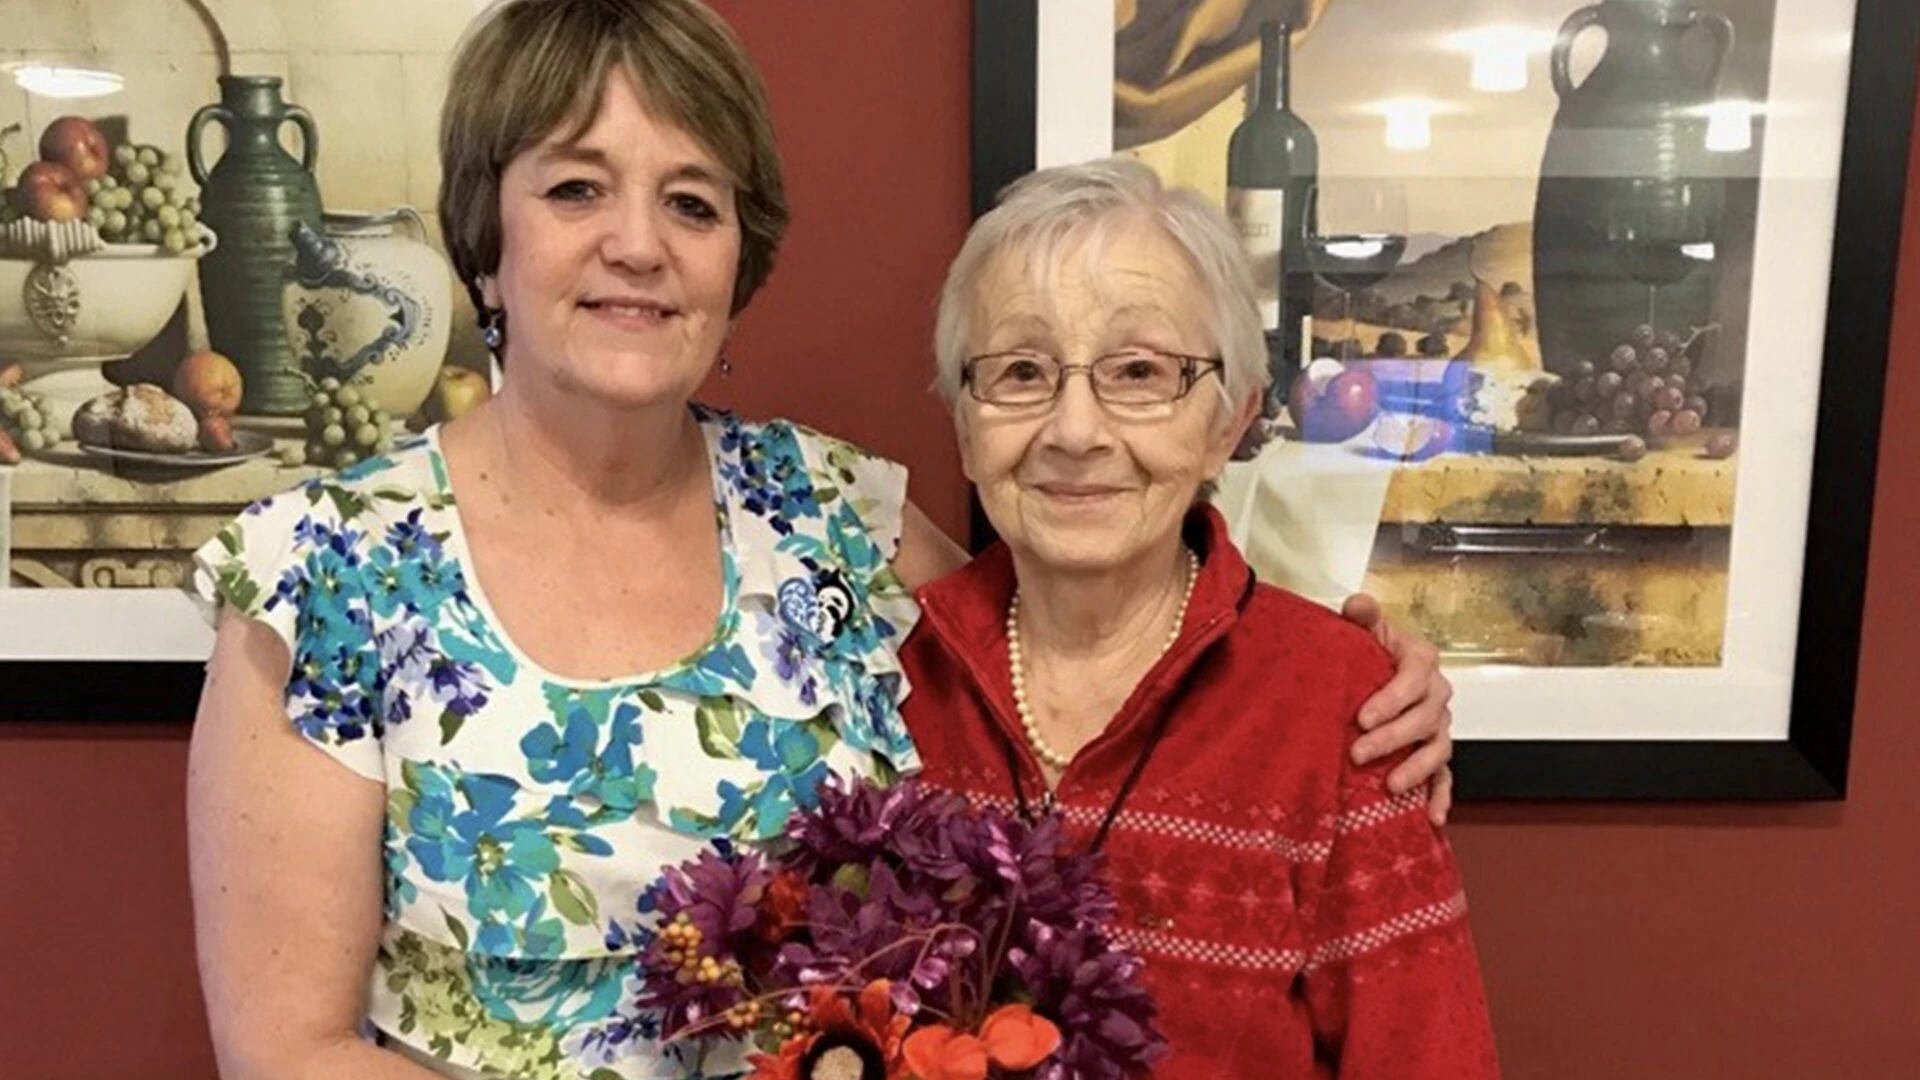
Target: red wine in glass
(1661, 232)
(1350, 262)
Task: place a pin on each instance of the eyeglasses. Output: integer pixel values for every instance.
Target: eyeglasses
(1136, 378)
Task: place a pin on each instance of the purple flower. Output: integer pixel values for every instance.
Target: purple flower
(1092, 990)
(788, 652)
(693, 969)
(861, 823)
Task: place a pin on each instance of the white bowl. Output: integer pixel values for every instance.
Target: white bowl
(101, 306)
(63, 320)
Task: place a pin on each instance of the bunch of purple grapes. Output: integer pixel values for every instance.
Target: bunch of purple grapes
(1643, 387)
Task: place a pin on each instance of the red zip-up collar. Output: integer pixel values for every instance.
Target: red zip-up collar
(966, 612)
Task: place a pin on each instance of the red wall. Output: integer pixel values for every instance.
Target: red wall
(1619, 941)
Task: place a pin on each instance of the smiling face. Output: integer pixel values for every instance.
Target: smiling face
(1075, 485)
(617, 258)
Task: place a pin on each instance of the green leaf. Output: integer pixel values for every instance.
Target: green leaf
(400, 803)
(394, 494)
(718, 721)
(853, 878)
(652, 701)
(237, 587)
(823, 730)
(603, 1074)
(572, 899)
(459, 932)
(349, 504)
(233, 540)
(693, 821)
(825, 495)
(410, 774)
(450, 724)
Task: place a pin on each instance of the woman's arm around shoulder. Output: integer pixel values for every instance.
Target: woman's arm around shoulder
(1410, 710)
(287, 871)
(926, 553)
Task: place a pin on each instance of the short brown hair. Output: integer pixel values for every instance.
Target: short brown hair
(527, 67)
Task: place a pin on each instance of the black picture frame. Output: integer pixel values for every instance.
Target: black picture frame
(1811, 763)
(99, 691)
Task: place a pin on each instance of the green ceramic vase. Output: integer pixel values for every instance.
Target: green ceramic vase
(1626, 174)
(252, 198)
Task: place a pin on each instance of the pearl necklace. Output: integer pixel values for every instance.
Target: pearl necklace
(1016, 661)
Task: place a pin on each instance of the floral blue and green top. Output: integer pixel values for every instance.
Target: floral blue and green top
(527, 813)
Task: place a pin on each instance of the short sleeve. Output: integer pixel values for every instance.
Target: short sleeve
(864, 498)
(872, 487)
(296, 562)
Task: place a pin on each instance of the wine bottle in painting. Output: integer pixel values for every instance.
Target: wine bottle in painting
(1273, 161)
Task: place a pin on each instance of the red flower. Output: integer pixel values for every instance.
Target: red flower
(871, 1018)
(782, 907)
(1017, 1038)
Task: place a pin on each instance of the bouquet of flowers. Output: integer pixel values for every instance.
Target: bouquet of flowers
(900, 934)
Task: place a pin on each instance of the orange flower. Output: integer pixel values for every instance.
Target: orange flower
(870, 1018)
(1017, 1038)
(937, 1052)
(786, 1064)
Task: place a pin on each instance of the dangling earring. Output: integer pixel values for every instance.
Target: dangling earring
(493, 329)
(726, 366)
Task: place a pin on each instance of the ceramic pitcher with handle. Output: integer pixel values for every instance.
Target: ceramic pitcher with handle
(1627, 151)
(252, 197)
(369, 304)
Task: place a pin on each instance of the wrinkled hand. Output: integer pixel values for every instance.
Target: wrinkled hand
(1411, 709)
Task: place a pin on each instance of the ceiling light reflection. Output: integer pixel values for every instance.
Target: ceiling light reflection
(1729, 126)
(1409, 122)
(1500, 55)
(55, 81)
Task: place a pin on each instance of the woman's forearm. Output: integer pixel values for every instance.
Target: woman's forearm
(347, 1057)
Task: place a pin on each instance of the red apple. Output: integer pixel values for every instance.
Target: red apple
(1330, 402)
(51, 192)
(75, 142)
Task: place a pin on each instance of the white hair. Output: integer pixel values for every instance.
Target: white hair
(1049, 212)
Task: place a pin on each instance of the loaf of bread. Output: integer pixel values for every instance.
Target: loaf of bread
(138, 417)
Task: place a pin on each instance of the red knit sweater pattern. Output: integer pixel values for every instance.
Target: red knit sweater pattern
(1296, 919)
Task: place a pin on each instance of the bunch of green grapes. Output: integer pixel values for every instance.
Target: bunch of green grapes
(343, 426)
(144, 199)
(23, 416)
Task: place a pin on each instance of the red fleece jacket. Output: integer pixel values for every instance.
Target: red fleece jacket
(1296, 919)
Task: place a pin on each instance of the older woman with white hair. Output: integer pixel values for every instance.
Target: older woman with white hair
(1114, 657)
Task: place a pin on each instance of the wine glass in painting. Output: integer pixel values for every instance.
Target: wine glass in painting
(1356, 240)
(1661, 230)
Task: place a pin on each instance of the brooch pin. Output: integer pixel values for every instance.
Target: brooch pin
(819, 605)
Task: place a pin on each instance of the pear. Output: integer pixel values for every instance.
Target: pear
(1494, 344)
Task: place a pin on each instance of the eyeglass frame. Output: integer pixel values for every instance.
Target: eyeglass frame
(1191, 373)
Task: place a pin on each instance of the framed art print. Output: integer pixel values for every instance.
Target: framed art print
(220, 275)
(1578, 317)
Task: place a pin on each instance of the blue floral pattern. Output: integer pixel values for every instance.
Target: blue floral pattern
(527, 813)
